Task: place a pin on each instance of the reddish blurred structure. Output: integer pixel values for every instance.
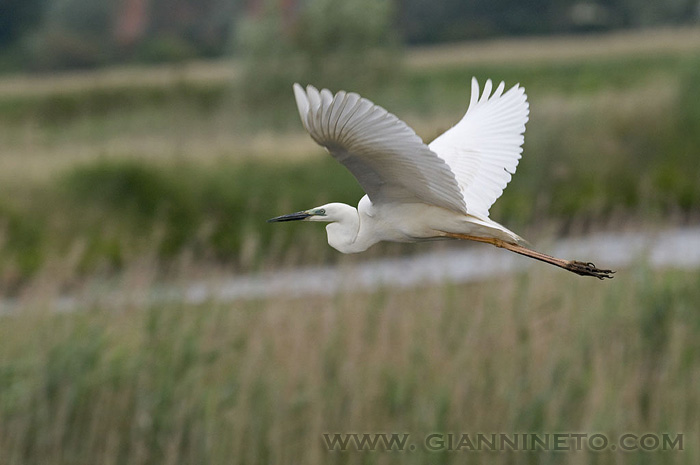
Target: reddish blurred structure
(289, 10)
(257, 7)
(135, 18)
(131, 23)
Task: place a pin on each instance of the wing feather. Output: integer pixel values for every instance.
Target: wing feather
(391, 163)
(484, 147)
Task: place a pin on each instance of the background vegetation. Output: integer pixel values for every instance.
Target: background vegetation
(100, 177)
(61, 34)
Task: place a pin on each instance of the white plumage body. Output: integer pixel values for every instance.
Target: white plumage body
(355, 230)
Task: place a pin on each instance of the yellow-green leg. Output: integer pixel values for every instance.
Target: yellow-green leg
(580, 268)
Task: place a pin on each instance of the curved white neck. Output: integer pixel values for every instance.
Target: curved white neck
(344, 229)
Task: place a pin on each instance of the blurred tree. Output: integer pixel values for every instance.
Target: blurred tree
(326, 38)
(17, 17)
(73, 33)
(203, 25)
(423, 21)
(332, 43)
(428, 21)
(651, 12)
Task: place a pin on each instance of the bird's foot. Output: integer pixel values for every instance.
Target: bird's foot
(588, 269)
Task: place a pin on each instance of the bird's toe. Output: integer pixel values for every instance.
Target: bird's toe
(589, 269)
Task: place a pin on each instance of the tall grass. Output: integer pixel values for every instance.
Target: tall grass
(260, 382)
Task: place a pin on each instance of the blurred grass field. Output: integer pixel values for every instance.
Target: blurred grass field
(174, 178)
(261, 381)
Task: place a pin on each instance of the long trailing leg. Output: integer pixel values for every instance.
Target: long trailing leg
(580, 268)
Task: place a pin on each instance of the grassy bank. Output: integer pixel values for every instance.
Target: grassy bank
(260, 382)
(590, 163)
(96, 177)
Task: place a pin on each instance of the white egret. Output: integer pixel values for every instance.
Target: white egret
(418, 192)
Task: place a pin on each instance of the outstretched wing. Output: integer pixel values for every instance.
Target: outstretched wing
(391, 163)
(483, 149)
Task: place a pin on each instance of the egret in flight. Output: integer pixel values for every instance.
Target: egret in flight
(417, 192)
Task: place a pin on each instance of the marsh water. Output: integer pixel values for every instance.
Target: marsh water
(677, 248)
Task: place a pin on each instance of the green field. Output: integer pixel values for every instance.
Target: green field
(260, 382)
(133, 178)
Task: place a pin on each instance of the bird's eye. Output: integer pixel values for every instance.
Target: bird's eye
(321, 212)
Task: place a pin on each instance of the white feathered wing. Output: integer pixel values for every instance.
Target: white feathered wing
(464, 170)
(391, 163)
(484, 147)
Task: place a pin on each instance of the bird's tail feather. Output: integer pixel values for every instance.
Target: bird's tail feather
(500, 231)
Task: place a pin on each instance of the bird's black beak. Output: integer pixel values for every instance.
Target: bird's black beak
(291, 217)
